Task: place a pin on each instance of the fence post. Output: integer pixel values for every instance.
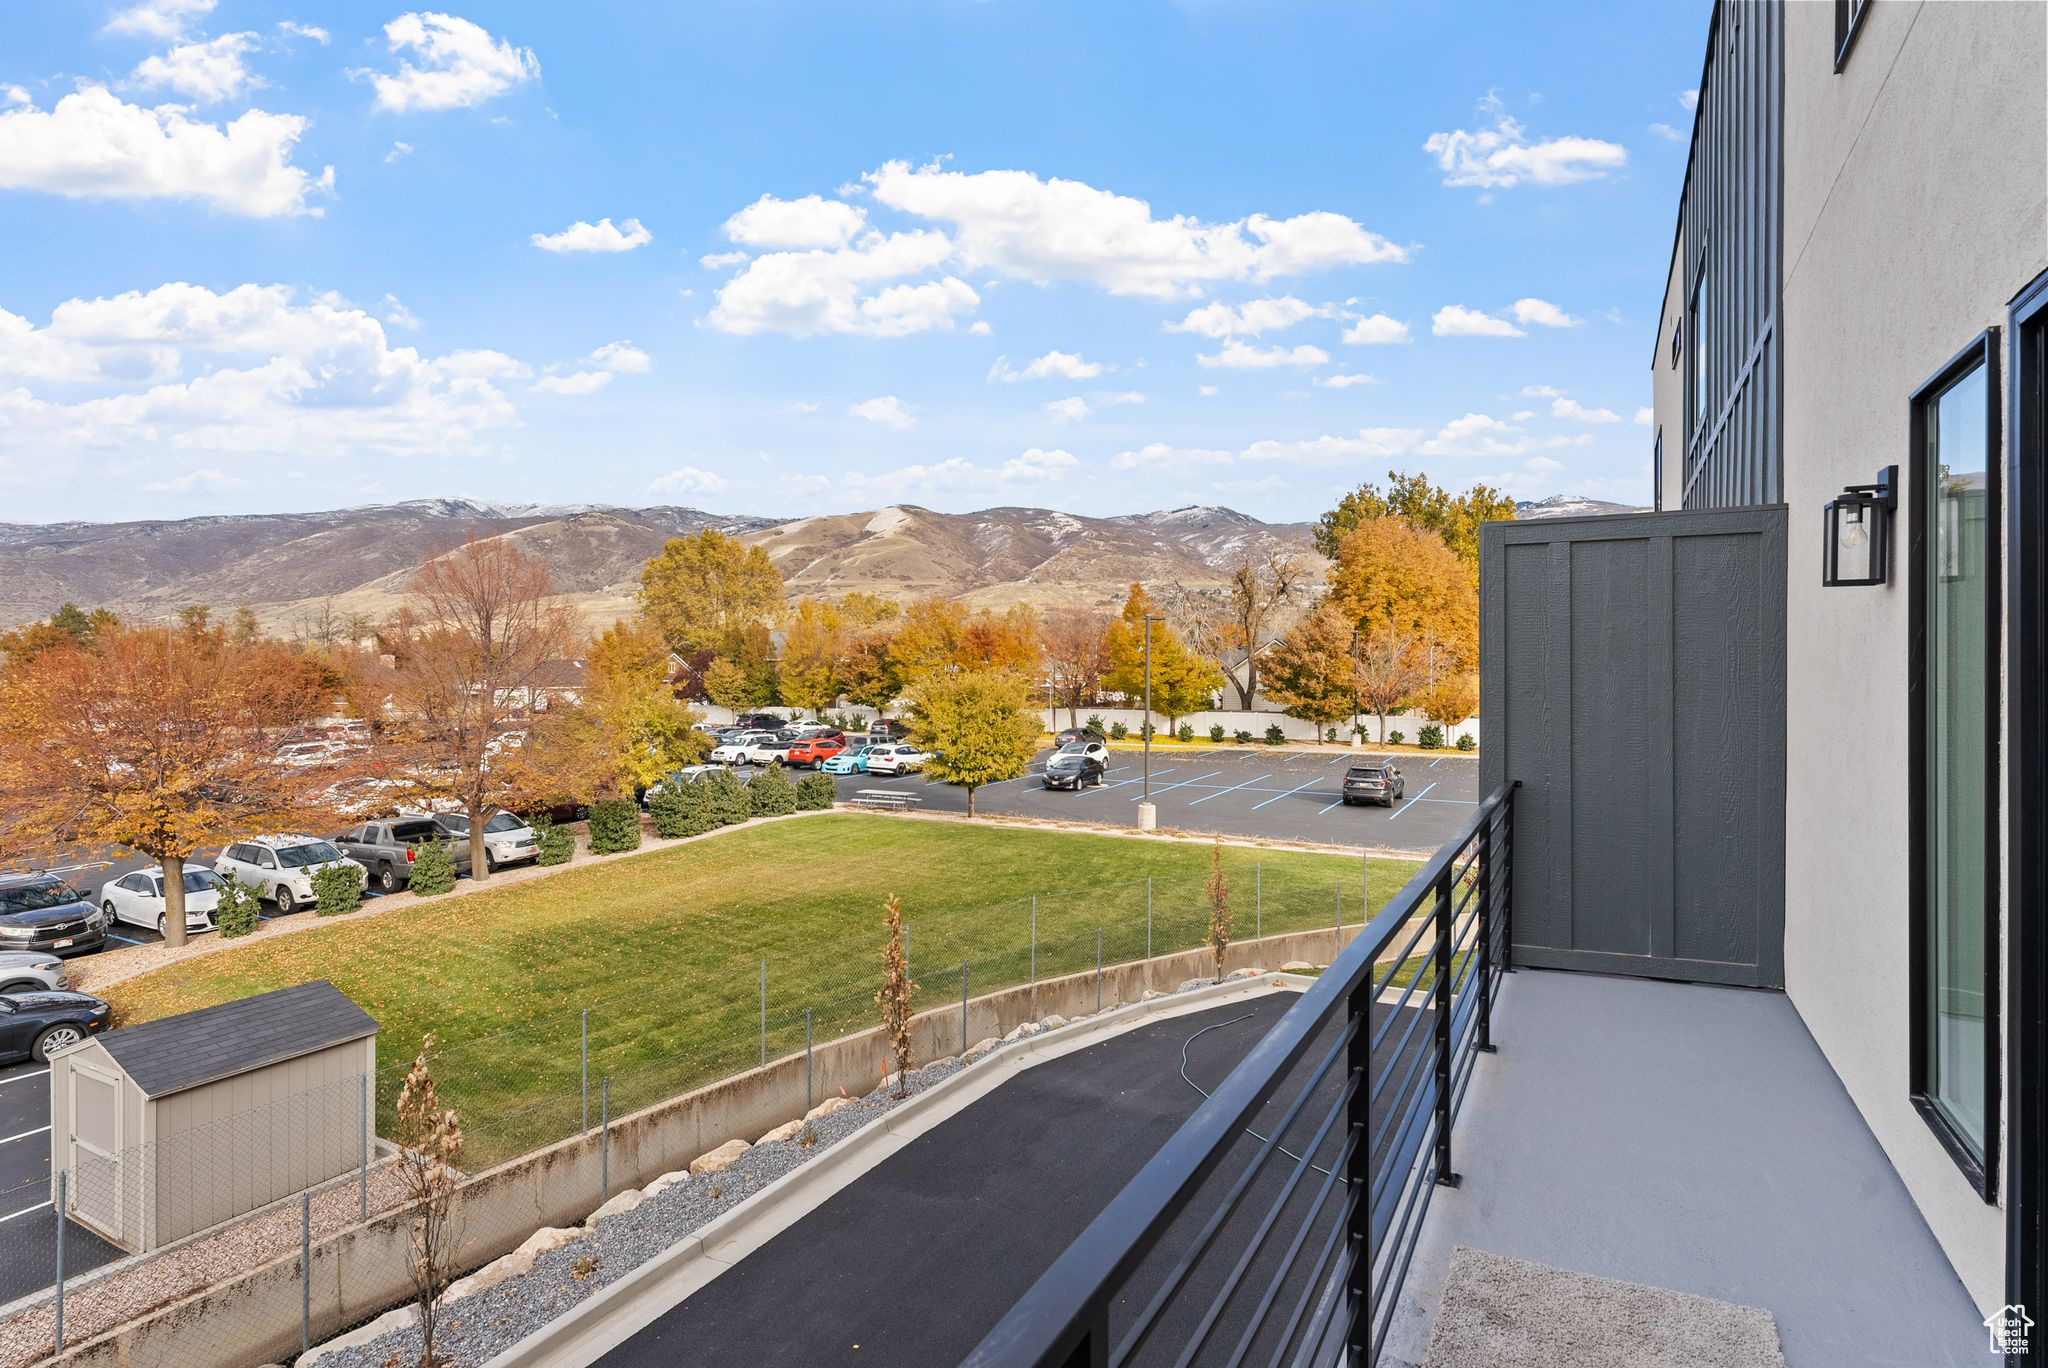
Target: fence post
(1441, 965)
(963, 1006)
(1034, 940)
(1098, 968)
(906, 950)
(1337, 933)
(604, 1141)
(1485, 942)
(810, 1094)
(764, 1014)
(363, 1154)
(1148, 925)
(1507, 920)
(1258, 900)
(305, 1272)
(63, 1177)
(586, 1071)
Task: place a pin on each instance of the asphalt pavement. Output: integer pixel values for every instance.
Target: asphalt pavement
(28, 1218)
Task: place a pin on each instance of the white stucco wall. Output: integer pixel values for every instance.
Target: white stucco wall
(1914, 209)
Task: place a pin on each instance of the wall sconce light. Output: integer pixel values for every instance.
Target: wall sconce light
(1857, 548)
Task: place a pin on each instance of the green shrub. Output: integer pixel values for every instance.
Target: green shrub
(684, 810)
(1466, 743)
(1329, 734)
(816, 793)
(614, 826)
(1395, 738)
(1216, 731)
(727, 797)
(556, 843)
(1275, 736)
(1241, 736)
(771, 794)
(337, 890)
(433, 868)
(1095, 723)
(239, 909)
(1118, 731)
(1430, 737)
(1186, 733)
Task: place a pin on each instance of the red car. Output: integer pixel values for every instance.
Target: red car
(814, 749)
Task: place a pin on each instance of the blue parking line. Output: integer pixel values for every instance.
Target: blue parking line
(1338, 803)
(1438, 761)
(1232, 789)
(1416, 799)
(1185, 782)
(123, 939)
(1289, 794)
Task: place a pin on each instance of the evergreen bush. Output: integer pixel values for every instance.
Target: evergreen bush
(614, 826)
(337, 890)
(1466, 743)
(1430, 737)
(1118, 731)
(557, 843)
(239, 910)
(1216, 732)
(815, 793)
(728, 798)
(771, 794)
(1275, 736)
(433, 868)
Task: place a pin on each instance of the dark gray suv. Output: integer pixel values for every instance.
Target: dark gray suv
(42, 912)
(1377, 781)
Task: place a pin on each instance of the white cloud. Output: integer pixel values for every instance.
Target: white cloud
(1475, 434)
(1541, 391)
(207, 71)
(93, 145)
(1068, 410)
(1123, 397)
(1377, 329)
(1689, 98)
(1542, 313)
(399, 150)
(1236, 355)
(1047, 230)
(805, 293)
(1251, 318)
(14, 95)
(804, 406)
(1579, 413)
(718, 261)
(595, 237)
(622, 357)
(1208, 391)
(1365, 445)
(1343, 381)
(812, 221)
(1542, 465)
(1503, 155)
(1054, 365)
(209, 478)
(576, 383)
(887, 410)
(1455, 320)
(1644, 417)
(1265, 484)
(1667, 132)
(398, 316)
(460, 65)
(980, 328)
(158, 18)
(1039, 467)
(311, 32)
(953, 475)
(1521, 415)
(688, 480)
(1159, 456)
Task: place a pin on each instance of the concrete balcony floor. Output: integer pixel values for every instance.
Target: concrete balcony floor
(1689, 1137)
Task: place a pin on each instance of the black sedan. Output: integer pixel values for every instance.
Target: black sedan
(1074, 769)
(35, 1025)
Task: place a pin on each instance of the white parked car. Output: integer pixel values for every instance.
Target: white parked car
(507, 839)
(31, 971)
(302, 753)
(735, 750)
(896, 758)
(281, 868)
(138, 899)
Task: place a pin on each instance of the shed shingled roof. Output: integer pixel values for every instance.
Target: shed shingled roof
(174, 1053)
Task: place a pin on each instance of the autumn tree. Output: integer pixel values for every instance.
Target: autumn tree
(1391, 574)
(1389, 669)
(706, 589)
(1449, 701)
(1422, 505)
(927, 642)
(633, 727)
(159, 741)
(1182, 680)
(1217, 890)
(1074, 657)
(861, 610)
(70, 625)
(1261, 587)
(895, 995)
(813, 656)
(1310, 672)
(872, 679)
(480, 630)
(726, 684)
(428, 1142)
(979, 727)
(1008, 641)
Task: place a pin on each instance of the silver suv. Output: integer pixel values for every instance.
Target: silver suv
(281, 868)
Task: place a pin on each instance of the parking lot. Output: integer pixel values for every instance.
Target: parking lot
(28, 1220)
(1231, 791)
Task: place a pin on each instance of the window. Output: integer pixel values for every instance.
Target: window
(1699, 352)
(1677, 342)
(1848, 20)
(1953, 791)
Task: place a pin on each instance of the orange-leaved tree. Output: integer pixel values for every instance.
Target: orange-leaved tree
(157, 740)
(1389, 574)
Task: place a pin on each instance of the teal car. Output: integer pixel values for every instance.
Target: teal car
(851, 761)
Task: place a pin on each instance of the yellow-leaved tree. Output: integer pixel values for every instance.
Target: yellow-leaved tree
(814, 647)
(1183, 681)
(979, 727)
(704, 591)
(630, 717)
(1389, 574)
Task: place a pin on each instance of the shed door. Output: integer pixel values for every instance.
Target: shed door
(95, 1159)
(1632, 676)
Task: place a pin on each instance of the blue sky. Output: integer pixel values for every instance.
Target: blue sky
(790, 259)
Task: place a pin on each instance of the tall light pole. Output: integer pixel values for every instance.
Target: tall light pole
(1148, 816)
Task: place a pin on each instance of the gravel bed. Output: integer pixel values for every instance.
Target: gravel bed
(483, 1324)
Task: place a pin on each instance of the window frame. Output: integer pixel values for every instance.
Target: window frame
(1696, 373)
(1980, 1170)
(1848, 23)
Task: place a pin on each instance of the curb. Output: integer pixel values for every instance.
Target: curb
(588, 1331)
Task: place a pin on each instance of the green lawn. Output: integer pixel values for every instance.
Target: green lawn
(665, 950)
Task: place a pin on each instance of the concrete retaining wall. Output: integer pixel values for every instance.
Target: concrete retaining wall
(361, 1271)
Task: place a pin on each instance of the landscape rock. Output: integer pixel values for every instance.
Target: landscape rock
(788, 1130)
(828, 1107)
(720, 1159)
(1150, 995)
(982, 1047)
(1053, 1022)
(1297, 967)
(665, 1182)
(1029, 1028)
(1186, 984)
(548, 1239)
(1244, 973)
(625, 1201)
(390, 1322)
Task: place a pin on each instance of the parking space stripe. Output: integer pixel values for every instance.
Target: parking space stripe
(10, 1139)
(22, 1078)
(1185, 782)
(1416, 799)
(1338, 803)
(123, 939)
(26, 1210)
(1289, 794)
(1232, 789)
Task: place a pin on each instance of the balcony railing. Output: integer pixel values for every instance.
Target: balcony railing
(1299, 1261)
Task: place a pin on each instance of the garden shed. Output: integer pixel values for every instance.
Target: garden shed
(180, 1124)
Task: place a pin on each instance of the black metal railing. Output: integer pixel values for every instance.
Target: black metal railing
(1214, 1253)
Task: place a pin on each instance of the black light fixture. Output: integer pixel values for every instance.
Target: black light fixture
(1857, 549)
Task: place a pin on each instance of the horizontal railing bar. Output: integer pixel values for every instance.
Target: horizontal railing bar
(1278, 1282)
(1315, 1277)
